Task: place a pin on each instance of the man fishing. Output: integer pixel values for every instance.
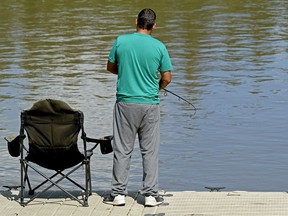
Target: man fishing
(138, 59)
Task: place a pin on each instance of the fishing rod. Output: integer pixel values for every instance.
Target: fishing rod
(181, 98)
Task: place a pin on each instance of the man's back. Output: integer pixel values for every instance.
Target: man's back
(140, 57)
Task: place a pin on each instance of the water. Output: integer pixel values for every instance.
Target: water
(230, 61)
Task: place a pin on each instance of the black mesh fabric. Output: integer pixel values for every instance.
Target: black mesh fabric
(53, 127)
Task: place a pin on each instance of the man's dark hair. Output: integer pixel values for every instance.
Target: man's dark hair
(146, 19)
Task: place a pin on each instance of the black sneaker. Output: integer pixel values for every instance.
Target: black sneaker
(151, 201)
(118, 200)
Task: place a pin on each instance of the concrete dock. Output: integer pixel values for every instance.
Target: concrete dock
(176, 203)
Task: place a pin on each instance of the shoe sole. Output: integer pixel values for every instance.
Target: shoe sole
(113, 203)
(153, 205)
(119, 204)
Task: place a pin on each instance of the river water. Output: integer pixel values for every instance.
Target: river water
(230, 61)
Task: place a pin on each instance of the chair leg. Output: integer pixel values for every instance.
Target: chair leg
(87, 182)
(24, 179)
(90, 180)
(22, 182)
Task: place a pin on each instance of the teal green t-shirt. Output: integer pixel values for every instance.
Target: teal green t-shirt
(140, 58)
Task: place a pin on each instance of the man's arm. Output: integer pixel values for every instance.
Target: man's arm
(112, 67)
(165, 79)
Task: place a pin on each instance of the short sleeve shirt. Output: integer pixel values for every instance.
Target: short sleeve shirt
(140, 58)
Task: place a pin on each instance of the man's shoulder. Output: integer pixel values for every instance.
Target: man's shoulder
(137, 35)
(158, 41)
(124, 36)
(147, 39)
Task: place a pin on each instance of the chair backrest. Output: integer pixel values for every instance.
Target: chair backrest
(53, 127)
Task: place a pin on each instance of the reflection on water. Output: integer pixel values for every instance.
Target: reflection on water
(229, 60)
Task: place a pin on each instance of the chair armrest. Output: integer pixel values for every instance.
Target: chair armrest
(105, 144)
(99, 140)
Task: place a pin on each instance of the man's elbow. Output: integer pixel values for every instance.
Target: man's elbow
(112, 67)
(167, 78)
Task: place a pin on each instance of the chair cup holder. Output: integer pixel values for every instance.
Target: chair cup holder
(105, 144)
(13, 144)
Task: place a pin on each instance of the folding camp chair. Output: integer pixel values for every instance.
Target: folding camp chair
(52, 128)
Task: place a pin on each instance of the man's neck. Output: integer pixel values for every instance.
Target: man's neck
(144, 31)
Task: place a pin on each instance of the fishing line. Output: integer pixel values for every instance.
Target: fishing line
(180, 98)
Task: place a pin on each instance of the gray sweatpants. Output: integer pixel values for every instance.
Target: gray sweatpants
(129, 120)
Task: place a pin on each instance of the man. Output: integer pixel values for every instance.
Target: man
(137, 59)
